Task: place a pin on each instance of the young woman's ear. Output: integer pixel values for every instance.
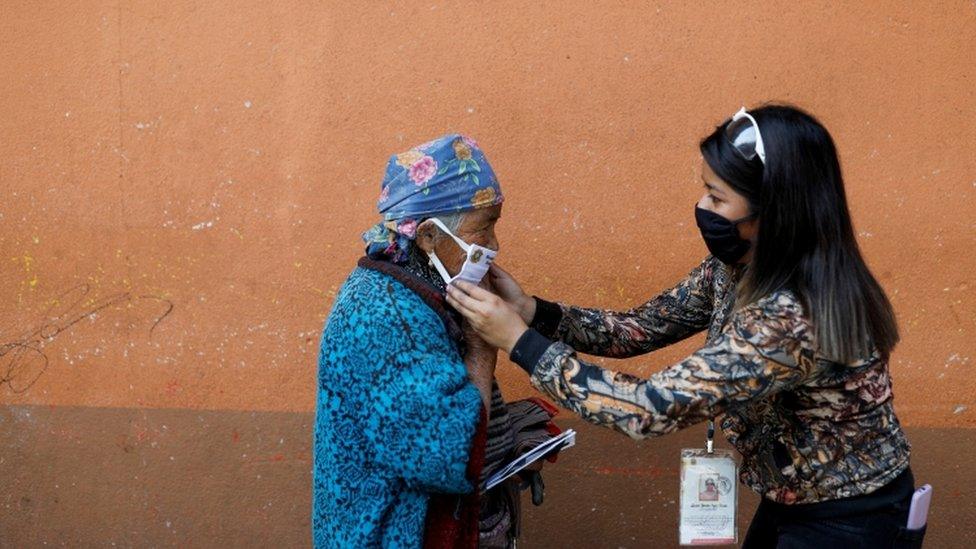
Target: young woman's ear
(426, 236)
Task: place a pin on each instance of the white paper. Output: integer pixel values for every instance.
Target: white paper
(708, 498)
(564, 440)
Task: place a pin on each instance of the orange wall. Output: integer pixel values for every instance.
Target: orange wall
(212, 165)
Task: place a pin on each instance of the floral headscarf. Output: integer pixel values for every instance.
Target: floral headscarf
(441, 177)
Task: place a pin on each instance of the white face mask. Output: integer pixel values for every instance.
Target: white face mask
(475, 264)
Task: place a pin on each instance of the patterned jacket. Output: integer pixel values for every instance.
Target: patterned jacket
(808, 429)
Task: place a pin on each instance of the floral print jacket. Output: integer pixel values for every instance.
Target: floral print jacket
(808, 429)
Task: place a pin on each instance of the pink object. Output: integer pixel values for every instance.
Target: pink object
(408, 228)
(422, 170)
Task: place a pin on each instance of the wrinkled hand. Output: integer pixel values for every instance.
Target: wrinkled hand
(496, 321)
(509, 289)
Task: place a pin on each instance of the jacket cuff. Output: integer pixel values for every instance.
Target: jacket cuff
(529, 349)
(547, 317)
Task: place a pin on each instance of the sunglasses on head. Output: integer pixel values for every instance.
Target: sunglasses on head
(743, 134)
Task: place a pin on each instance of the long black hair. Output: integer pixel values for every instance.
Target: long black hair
(806, 241)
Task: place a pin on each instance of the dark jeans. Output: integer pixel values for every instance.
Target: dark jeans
(770, 529)
(875, 520)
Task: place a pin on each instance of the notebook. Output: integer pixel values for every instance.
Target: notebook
(564, 440)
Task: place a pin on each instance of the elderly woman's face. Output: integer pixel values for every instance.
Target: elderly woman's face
(477, 227)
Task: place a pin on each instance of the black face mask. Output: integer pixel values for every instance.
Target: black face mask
(722, 235)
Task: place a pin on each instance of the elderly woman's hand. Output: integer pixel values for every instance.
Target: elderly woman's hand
(494, 319)
(509, 289)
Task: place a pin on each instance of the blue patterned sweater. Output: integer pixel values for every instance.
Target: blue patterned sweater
(395, 420)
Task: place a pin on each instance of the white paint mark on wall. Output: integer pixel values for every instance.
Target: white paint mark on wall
(956, 358)
(202, 225)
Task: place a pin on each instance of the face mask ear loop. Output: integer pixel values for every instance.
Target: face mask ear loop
(440, 267)
(436, 260)
(464, 245)
(746, 218)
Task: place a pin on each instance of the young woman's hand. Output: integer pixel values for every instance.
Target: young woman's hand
(509, 289)
(495, 320)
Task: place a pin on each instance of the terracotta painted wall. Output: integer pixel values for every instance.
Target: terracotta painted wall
(183, 186)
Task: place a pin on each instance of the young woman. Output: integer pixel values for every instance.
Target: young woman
(799, 335)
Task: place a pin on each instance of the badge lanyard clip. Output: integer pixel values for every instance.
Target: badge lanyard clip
(710, 438)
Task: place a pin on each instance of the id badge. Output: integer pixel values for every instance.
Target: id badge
(709, 498)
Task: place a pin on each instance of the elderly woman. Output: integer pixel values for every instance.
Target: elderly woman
(410, 421)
